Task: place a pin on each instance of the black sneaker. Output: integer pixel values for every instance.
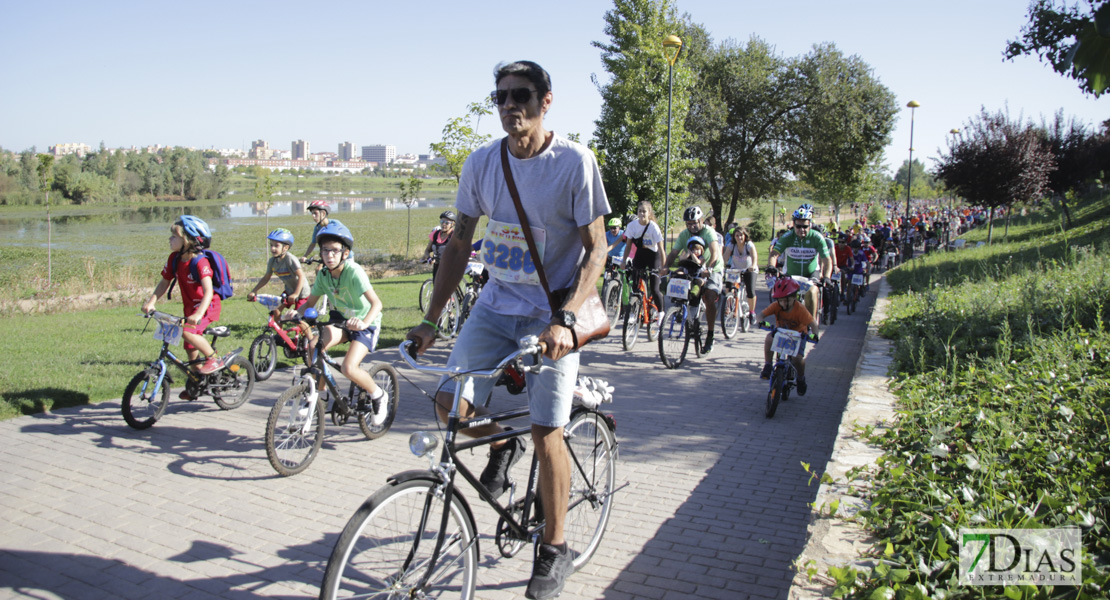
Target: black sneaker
(766, 372)
(549, 572)
(495, 477)
(708, 347)
(802, 387)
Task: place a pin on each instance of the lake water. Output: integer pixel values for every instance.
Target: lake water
(32, 230)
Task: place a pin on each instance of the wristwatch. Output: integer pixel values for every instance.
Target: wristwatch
(564, 318)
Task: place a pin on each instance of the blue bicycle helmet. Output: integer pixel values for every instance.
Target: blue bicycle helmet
(337, 231)
(804, 212)
(197, 229)
(281, 235)
(695, 239)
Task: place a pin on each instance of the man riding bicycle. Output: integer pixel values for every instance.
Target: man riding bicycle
(807, 255)
(714, 264)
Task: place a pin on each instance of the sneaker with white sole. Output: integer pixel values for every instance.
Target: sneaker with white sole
(550, 569)
(379, 409)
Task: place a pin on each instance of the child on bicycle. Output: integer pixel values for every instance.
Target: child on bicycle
(643, 242)
(189, 236)
(692, 261)
(789, 313)
(286, 267)
(319, 210)
(352, 298)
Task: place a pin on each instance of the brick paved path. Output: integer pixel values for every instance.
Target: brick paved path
(716, 503)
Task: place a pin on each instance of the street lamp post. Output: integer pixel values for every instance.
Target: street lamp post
(671, 43)
(912, 105)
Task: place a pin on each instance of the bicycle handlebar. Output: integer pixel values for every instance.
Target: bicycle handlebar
(162, 317)
(529, 345)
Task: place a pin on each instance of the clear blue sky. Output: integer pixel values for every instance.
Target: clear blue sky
(221, 74)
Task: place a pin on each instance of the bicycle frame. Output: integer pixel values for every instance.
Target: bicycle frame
(640, 289)
(166, 353)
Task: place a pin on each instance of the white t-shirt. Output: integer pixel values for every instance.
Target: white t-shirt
(741, 258)
(561, 190)
(653, 236)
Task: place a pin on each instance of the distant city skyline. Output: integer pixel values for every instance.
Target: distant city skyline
(218, 75)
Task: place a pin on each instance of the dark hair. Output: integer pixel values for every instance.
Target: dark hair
(526, 69)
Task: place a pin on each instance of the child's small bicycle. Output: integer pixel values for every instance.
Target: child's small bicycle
(786, 344)
(287, 332)
(295, 427)
(148, 393)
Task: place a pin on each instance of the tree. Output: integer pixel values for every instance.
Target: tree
(410, 191)
(847, 121)
(738, 121)
(995, 162)
(264, 193)
(924, 183)
(1072, 144)
(630, 136)
(45, 180)
(1050, 33)
(461, 137)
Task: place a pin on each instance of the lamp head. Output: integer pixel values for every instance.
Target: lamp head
(913, 104)
(672, 43)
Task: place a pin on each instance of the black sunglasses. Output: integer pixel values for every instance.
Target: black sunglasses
(800, 226)
(520, 95)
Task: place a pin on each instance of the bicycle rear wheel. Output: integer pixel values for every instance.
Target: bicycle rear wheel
(142, 405)
(652, 327)
(631, 331)
(290, 446)
(593, 455)
(231, 386)
(384, 553)
(425, 294)
(386, 377)
(672, 337)
(263, 355)
(774, 395)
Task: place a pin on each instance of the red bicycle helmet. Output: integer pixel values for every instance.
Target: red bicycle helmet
(320, 205)
(785, 287)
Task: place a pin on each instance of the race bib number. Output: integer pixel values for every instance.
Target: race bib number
(168, 332)
(505, 253)
(270, 301)
(678, 288)
(474, 269)
(835, 277)
(733, 275)
(787, 342)
(857, 279)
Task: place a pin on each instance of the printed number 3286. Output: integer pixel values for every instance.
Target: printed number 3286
(501, 256)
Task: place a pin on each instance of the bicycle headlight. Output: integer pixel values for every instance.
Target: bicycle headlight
(422, 443)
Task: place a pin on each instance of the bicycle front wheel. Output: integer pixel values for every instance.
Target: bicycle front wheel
(774, 395)
(611, 297)
(263, 355)
(448, 323)
(383, 552)
(142, 405)
(672, 337)
(425, 294)
(631, 331)
(730, 314)
(386, 377)
(652, 327)
(293, 433)
(593, 455)
(231, 386)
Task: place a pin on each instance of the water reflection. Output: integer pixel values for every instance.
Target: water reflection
(19, 228)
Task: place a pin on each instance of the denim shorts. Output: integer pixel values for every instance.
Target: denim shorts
(714, 282)
(487, 338)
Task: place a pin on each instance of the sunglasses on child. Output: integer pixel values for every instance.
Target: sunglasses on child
(520, 95)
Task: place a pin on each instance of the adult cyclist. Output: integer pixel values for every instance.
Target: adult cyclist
(715, 264)
(807, 255)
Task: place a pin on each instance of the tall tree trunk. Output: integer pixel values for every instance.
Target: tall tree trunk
(990, 226)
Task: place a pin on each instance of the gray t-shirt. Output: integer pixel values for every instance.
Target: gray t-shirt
(286, 267)
(560, 190)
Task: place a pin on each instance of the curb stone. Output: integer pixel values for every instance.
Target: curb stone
(835, 541)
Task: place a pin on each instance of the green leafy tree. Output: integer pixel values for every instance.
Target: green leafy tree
(410, 191)
(264, 189)
(996, 162)
(1074, 39)
(925, 185)
(848, 119)
(739, 122)
(461, 137)
(630, 137)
